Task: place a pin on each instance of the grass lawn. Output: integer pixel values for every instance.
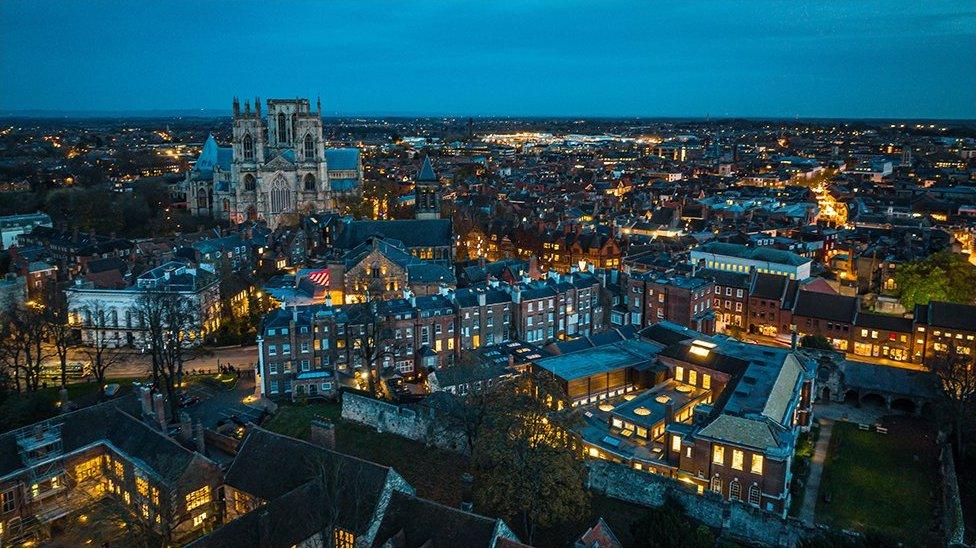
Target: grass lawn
(17, 410)
(883, 483)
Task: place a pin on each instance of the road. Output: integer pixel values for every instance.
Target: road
(137, 364)
(777, 342)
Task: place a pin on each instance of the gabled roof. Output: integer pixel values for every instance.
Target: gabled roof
(836, 308)
(345, 159)
(410, 521)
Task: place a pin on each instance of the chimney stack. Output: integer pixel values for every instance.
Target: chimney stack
(159, 410)
(145, 398)
(322, 433)
(186, 426)
(198, 438)
(467, 491)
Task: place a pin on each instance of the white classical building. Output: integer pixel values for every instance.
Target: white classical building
(119, 309)
(276, 166)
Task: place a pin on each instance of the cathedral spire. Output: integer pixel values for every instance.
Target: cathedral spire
(257, 105)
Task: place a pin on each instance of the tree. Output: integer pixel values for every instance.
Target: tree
(23, 350)
(943, 276)
(668, 526)
(168, 320)
(956, 377)
(59, 329)
(816, 342)
(370, 339)
(101, 351)
(465, 413)
(527, 466)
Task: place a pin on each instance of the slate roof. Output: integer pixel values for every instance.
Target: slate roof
(342, 159)
(600, 359)
(755, 433)
(112, 423)
(836, 308)
(884, 322)
(269, 465)
(955, 316)
(410, 521)
(412, 233)
(769, 286)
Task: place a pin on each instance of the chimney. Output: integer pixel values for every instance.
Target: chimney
(198, 438)
(159, 410)
(145, 398)
(322, 433)
(467, 490)
(668, 413)
(294, 313)
(186, 426)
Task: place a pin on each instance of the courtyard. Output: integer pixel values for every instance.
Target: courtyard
(884, 484)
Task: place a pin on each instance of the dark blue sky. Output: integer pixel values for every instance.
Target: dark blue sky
(842, 58)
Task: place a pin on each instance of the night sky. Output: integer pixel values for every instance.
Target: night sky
(568, 58)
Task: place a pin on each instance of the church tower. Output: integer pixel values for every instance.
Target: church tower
(427, 189)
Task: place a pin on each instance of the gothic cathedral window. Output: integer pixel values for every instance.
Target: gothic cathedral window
(309, 147)
(248, 148)
(309, 180)
(282, 130)
(249, 184)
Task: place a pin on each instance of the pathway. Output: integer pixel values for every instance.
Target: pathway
(816, 470)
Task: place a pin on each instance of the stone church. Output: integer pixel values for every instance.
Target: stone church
(276, 167)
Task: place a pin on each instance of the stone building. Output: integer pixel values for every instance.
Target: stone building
(276, 167)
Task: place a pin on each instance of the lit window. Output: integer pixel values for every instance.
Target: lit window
(197, 498)
(757, 464)
(718, 455)
(198, 520)
(737, 459)
(679, 373)
(675, 443)
(706, 381)
(342, 538)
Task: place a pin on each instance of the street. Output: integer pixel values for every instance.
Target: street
(137, 364)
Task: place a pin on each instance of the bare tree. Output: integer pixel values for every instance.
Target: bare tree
(956, 375)
(466, 412)
(59, 330)
(170, 323)
(25, 333)
(101, 351)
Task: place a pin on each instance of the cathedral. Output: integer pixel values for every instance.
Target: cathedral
(277, 166)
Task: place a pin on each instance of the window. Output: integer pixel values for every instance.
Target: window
(142, 486)
(717, 484)
(198, 520)
(119, 469)
(692, 377)
(342, 538)
(754, 495)
(197, 498)
(249, 183)
(675, 443)
(718, 455)
(706, 381)
(737, 458)
(8, 500)
(679, 373)
(282, 128)
(88, 469)
(248, 147)
(757, 464)
(309, 147)
(735, 490)
(309, 182)
(272, 350)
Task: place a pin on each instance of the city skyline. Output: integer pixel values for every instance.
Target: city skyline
(750, 59)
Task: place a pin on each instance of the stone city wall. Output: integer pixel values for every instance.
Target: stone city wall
(735, 520)
(414, 422)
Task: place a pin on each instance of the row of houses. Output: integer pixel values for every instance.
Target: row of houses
(314, 348)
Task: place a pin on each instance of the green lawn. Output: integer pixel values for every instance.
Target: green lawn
(883, 483)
